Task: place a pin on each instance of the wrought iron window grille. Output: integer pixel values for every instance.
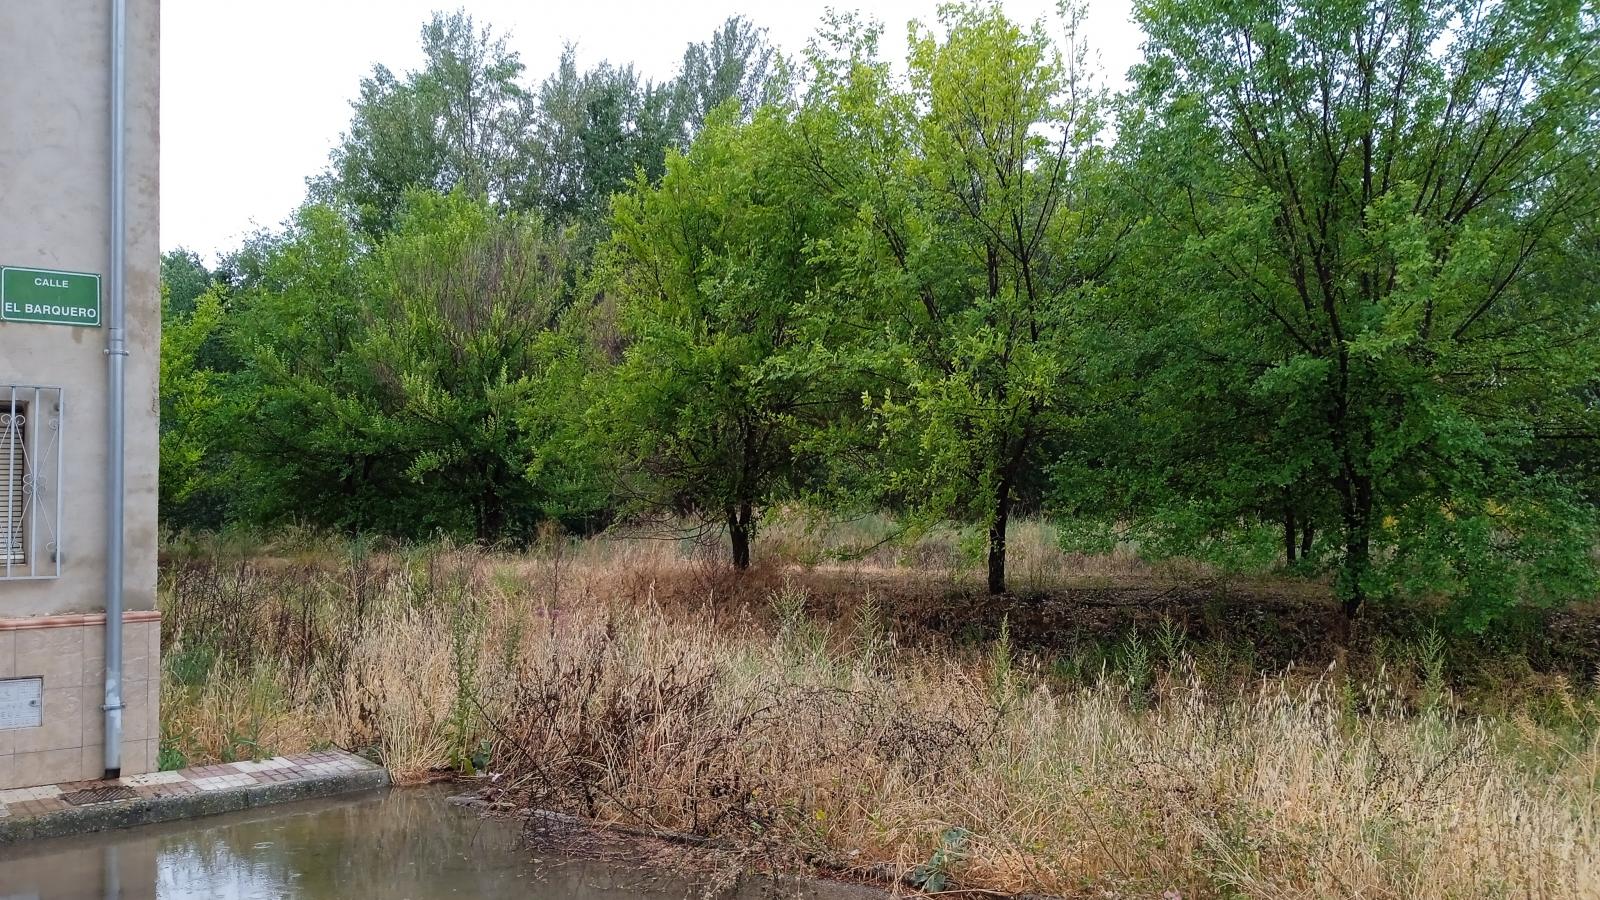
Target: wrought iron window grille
(31, 420)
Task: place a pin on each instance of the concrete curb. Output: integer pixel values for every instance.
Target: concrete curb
(149, 810)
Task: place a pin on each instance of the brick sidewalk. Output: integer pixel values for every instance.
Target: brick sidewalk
(162, 796)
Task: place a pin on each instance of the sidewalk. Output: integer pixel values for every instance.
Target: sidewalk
(81, 806)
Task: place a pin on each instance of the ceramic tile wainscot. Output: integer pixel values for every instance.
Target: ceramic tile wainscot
(67, 653)
(79, 806)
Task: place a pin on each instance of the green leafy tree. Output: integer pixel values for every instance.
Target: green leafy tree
(391, 147)
(723, 375)
(189, 399)
(592, 131)
(737, 64)
(298, 413)
(184, 277)
(476, 379)
(459, 121)
(979, 239)
(465, 120)
(418, 388)
(1358, 200)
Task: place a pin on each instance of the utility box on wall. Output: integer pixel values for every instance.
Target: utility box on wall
(58, 178)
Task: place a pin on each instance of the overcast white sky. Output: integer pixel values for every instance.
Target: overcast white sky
(254, 94)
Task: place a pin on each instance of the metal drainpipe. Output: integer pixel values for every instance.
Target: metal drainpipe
(116, 355)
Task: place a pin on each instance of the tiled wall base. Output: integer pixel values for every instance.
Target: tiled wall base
(68, 652)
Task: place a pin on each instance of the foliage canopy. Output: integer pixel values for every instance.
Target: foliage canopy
(1316, 291)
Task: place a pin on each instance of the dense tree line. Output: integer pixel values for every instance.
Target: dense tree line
(1319, 288)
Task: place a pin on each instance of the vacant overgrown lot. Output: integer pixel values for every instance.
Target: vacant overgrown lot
(1118, 731)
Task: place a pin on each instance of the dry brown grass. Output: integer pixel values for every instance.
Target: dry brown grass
(871, 543)
(627, 685)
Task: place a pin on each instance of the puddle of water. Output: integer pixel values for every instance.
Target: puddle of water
(405, 844)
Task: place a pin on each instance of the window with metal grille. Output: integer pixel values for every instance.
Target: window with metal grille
(30, 476)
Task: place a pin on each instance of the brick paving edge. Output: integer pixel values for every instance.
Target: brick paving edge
(149, 810)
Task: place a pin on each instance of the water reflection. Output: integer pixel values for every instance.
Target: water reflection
(400, 844)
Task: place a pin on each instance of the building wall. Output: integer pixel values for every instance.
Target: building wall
(54, 214)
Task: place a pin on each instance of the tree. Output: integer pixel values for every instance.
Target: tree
(189, 399)
(421, 387)
(723, 373)
(465, 120)
(1358, 198)
(737, 64)
(979, 242)
(592, 132)
(460, 121)
(475, 378)
(298, 413)
(184, 277)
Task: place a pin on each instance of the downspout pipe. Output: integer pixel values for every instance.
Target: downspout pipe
(116, 357)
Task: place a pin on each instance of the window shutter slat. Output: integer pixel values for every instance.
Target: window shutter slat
(12, 468)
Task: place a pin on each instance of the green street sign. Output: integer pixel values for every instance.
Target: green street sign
(49, 297)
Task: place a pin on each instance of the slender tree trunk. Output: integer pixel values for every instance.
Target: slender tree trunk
(997, 539)
(491, 513)
(1307, 535)
(1289, 532)
(490, 519)
(739, 521)
(1358, 559)
(1356, 497)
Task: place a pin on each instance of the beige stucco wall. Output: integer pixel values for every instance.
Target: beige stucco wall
(54, 214)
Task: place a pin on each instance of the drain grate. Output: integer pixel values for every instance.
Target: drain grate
(100, 795)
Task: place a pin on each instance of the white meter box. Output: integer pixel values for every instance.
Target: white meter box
(21, 703)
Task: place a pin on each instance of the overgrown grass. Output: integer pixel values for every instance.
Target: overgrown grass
(815, 718)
